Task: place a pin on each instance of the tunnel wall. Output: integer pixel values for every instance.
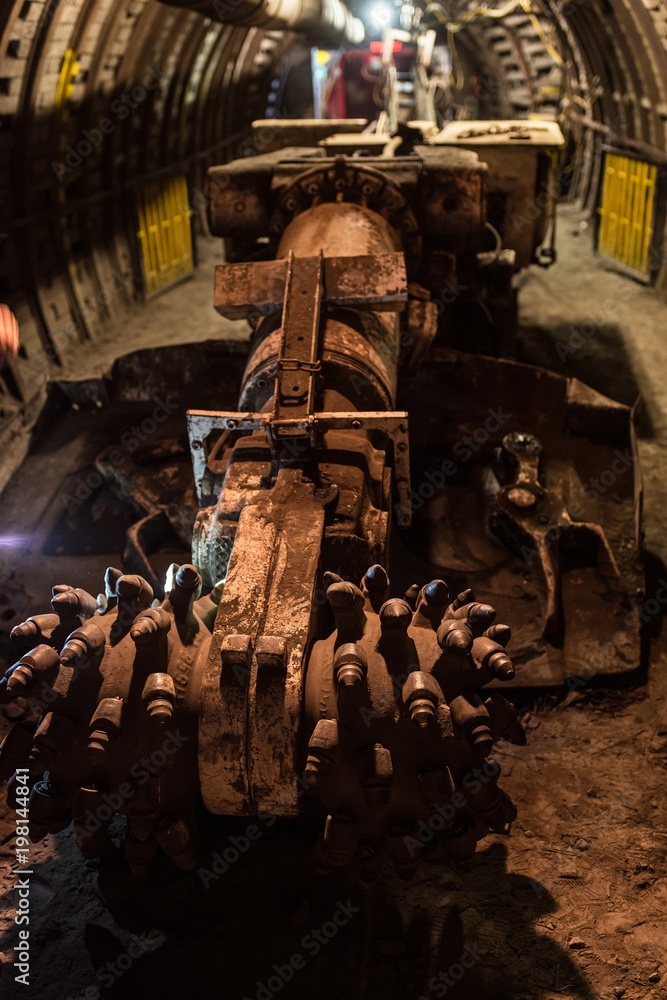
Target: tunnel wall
(598, 66)
(616, 55)
(110, 97)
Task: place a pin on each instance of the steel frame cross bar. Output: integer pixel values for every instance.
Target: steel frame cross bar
(299, 348)
(376, 282)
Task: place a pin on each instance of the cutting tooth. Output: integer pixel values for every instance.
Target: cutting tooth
(499, 633)
(370, 858)
(477, 616)
(469, 714)
(84, 647)
(436, 785)
(395, 616)
(403, 847)
(341, 837)
(149, 626)
(141, 818)
(47, 805)
(493, 805)
(185, 590)
(40, 664)
(455, 637)
(134, 594)
(322, 751)
(376, 773)
(328, 578)
(91, 817)
(505, 723)
(321, 861)
(347, 603)
(134, 590)
(458, 842)
(105, 727)
(53, 738)
(465, 597)
(375, 585)
(159, 697)
(431, 605)
(491, 659)
(111, 578)
(36, 627)
(350, 667)
(421, 696)
(69, 603)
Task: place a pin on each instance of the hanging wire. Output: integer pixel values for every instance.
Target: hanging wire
(454, 25)
(458, 81)
(495, 13)
(440, 13)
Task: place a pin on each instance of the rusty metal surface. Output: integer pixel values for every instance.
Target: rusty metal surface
(376, 281)
(544, 574)
(299, 357)
(401, 721)
(287, 678)
(392, 425)
(455, 191)
(434, 200)
(372, 281)
(276, 133)
(344, 181)
(437, 193)
(521, 182)
(239, 194)
(112, 676)
(529, 515)
(277, 678)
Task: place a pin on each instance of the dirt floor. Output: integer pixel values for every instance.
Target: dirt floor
(572, 905)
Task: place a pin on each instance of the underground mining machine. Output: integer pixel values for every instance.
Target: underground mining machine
(296, 663)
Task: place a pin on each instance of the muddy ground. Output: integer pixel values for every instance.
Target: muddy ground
(572, 904)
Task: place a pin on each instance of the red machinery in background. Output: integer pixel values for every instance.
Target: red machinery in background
(356, 80)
